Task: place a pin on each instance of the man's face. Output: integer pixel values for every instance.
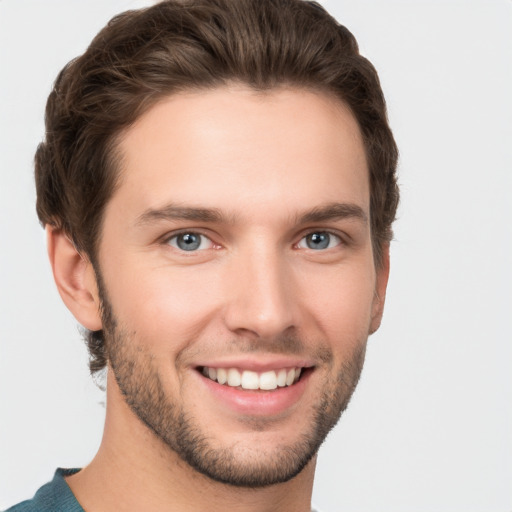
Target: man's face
(235, 254)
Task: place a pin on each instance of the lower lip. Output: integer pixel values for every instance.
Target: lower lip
(257, 402)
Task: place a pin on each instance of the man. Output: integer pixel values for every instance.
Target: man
(218, 186)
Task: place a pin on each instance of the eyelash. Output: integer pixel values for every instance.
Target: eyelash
(168, 240)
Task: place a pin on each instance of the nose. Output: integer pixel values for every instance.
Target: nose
(261, 300)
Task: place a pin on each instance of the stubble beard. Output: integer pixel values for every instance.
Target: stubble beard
(139, 382)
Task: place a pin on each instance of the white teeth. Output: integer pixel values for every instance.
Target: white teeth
(281, 378)
(222, 376)
(234, 377)
(268, 380)
(248, 379)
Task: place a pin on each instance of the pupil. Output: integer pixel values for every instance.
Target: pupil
(318, 241)
(189, 241)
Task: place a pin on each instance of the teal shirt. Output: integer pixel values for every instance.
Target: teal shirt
(55, 496)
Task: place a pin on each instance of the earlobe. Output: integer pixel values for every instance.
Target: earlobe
(75, 279)
(381, 284)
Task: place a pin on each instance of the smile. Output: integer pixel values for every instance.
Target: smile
(252, 380)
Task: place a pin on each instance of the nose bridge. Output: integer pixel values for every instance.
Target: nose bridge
(261, 296)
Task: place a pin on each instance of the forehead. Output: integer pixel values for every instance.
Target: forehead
(236, 148)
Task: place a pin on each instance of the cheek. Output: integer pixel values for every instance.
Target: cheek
(163, 304)
(341, 304)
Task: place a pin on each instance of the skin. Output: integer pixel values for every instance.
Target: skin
(253, 295)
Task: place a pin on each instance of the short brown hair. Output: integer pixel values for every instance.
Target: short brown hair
(175, 45)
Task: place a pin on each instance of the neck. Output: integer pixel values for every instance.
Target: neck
(134, 470)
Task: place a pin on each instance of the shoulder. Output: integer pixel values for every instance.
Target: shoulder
(55, 496)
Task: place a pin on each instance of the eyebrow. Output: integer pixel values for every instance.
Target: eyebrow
(327, 212)
(174, 212)
(334, 211)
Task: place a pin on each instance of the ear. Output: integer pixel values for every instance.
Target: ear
(381, 283)
(75, 279)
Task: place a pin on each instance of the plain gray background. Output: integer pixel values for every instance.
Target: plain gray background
(430, 426)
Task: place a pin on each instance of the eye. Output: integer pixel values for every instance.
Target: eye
(190, 241)
(319, 240)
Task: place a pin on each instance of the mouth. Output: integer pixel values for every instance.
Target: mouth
(252, 380)
(264, 387)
